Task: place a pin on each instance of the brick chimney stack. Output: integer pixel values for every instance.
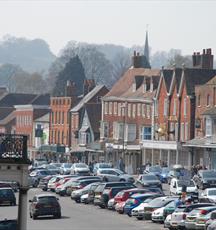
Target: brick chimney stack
(140, 61)
(70, 89)
(88, 85)
(204, 60)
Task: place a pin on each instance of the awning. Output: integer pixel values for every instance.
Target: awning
(205, 142)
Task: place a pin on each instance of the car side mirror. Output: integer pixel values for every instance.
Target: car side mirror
(30, 201)
(57, 198)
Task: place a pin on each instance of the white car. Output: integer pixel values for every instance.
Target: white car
(176, 186)
(80, 168)
(167, 222)
(138, 212)
(209, 195)
(84, 198)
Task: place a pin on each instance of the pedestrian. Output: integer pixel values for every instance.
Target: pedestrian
(91, 167)
(178, 202)
(121, 164)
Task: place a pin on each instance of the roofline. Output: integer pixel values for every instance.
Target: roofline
(29, 106)
(123, 99)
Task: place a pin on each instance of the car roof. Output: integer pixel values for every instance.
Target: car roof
(208, 189)
(45, 195)
(143, 195)
(207, 208)
(6, 188)
(108, 169)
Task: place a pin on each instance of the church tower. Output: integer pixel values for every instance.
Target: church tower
(146, 48)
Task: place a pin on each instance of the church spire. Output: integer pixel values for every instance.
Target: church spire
(146, 48)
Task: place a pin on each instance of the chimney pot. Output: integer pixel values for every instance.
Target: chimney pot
(134, 52)
(203, 51)
(137, 53)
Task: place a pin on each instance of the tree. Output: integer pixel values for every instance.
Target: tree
(73, 71)
(178, 60)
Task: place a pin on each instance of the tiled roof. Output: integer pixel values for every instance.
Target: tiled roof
(212, 81)
(197, 77)
(87, 98)
(4, 112)
(124, 86)
(43, 118)
(167, 73)
(43, 99)
(178, 76)
(94, 114)
(12, 99)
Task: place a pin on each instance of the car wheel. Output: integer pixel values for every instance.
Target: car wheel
(105, 179)
(139, 218)
(77, 201)
(57, 216)
(129, 214)
(30, 215)
(13, 203)
(44, 189)
(34, 217)
(122, 180)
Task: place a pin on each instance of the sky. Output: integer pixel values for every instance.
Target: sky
(187, 25)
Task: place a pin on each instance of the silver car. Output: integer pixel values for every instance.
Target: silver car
(114, 175)
(80, 169)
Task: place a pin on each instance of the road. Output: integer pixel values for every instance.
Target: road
(80, 217)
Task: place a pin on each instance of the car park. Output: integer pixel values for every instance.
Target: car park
(80, 169)
(190, 222)
(44, 205)
(65, 168)
(135, 200)
(178, 217)
(205, 179)
(7, 196)
(148, 180)
(211, 219)
(110, 175)
(177, 185)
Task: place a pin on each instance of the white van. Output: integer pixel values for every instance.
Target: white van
(176, 186)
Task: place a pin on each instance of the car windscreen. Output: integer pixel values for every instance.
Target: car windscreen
(47, 199)
(67, 165)
(187, 183)
(155, 169)
(165, 170)
(158, 202)
(6, 192)
(149, 177)
(180, 209)
(105, 166)
(81, 166)
(209, 174)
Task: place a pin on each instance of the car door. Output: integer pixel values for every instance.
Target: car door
(113, 176)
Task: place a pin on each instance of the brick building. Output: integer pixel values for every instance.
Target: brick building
(126, 113)
(175, 108)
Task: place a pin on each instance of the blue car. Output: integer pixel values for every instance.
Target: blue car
(164, 175)
(135, 200)
(156, 170)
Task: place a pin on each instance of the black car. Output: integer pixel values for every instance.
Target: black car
(149, 180)
(43, 205)
(205, 179)
(99, 190)
(8, 225)
(7, 196)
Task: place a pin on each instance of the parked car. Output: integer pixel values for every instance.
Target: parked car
(57, 165)
(178, 217)
(155, 170)
(110, 175)
(148, 180)
(208, 195)
(136, 200)
(100, 188)
(205, 179)
(167, 222)
(65, 168)
(36, 175)
(155, 204)
(109, 193)
(101, 166)
(163, 176)
(51, 168)
(158, 214)
(43, 205)
(111, 204)
(176, 187)
(10, 184)
(212, 226)
(76, 194)
(8, 224)
(203, 219)
(80, 169)
(43, 184)
(89, 197)
(211, 219)
(190, 222)
(7, 196)
(61, 183)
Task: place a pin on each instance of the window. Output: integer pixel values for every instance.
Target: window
(106, 129)
(143, 110)
(62, 117)
(134, 110)
(186, 131)
(59, 118)
(174, 106)
(115, 108)
(129, 110)
(165, 106)
(82, 139)
(208, 100)
(62, 137)
(176, 131)
(208, 127)
(146, 134)
(123, 108)
(110, 108)
(138, 109)
(185, 107)
(156, 108)
(119, 109)
(121, 131)
(182, 132)
(68, 117)
(106, 108)
(198, 100)
(56, 117)
(131, 132)
(115, 130)
(58, 137)
(52, 117)
(148, 111)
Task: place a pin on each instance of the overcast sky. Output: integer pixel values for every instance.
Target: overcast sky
(186, 25)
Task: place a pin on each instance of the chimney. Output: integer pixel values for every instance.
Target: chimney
(88, 85)
(204, 60)
(140, 61)
(70, 89)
